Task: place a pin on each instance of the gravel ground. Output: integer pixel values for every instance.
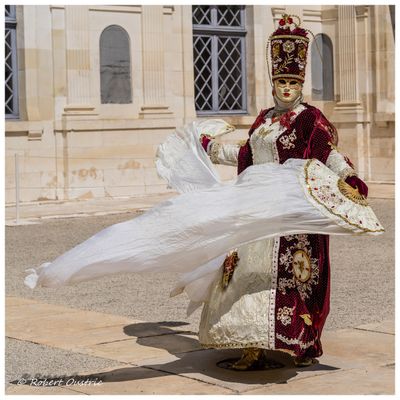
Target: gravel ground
(362, 274)
(45, 361)
(362, 288)
(139, 296)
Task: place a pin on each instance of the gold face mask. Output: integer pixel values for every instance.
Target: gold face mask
(287, 90)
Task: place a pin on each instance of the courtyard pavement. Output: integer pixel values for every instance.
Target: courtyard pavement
(157, 359)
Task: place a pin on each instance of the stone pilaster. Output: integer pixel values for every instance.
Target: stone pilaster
(31, 89)
(78, 61)
(262, 23)
(347, 42)
(384, 52)
(187, 56)
(349, 114)
(153, 63)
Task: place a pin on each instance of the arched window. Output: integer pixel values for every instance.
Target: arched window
(115, 66)
(322, 68)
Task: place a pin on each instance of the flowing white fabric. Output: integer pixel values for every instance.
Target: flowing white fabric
(192, 232)
(196, 227)
(182, 161)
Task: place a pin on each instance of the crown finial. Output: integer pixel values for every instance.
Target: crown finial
(286, 21)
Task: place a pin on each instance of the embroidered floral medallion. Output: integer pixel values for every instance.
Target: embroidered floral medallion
(288, 46)
(297, 261)
(301, 266)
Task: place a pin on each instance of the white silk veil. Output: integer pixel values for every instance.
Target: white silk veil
(192, 232)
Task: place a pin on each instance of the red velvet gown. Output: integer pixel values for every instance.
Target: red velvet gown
(299, 290)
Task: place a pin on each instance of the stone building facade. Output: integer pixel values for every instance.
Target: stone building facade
(91, 91)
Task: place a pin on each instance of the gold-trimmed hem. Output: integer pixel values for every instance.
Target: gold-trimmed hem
(261, 345)
(306, 166)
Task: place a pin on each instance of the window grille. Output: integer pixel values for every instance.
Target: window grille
(9, 12)
(10, 59)
(229, 15)
(392, 12)
(322, 69)
(219, 59)
(115, 66)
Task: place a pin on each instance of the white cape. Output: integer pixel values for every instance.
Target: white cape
(192, 232)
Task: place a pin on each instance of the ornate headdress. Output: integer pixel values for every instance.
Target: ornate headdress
(289, 45)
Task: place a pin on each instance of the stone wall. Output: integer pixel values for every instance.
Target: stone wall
(71, 146)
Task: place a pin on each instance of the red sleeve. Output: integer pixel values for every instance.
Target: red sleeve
(245, 157)
(204, 141)
(320, 134)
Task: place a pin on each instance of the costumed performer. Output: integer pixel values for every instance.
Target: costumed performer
(274, 293)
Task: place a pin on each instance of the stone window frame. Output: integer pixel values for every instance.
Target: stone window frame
(10, 20)
(124, 31)
(212, 30)
(326, 68)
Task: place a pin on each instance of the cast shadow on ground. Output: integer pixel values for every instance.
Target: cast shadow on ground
(185, 356)
(191, 358)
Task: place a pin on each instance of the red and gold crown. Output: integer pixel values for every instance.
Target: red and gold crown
(289, 46)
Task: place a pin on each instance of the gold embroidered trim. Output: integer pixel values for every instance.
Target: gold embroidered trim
(288, 76)
(214, 151)
(263, 132)
(288, 60)
(305, 39)
(306, 166)
(351, 193)
(234, 345)
(263, 345)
